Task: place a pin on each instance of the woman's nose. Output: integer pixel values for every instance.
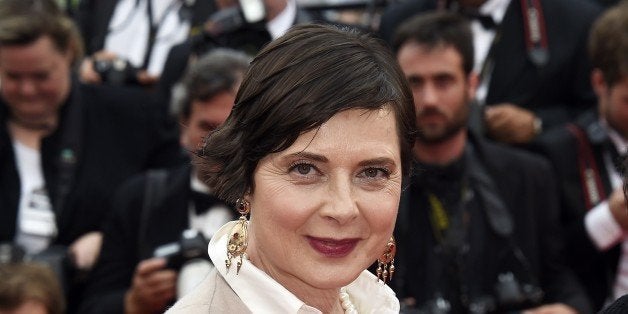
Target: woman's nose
(341, 205)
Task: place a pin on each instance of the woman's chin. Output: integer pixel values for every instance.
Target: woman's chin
(334, 276)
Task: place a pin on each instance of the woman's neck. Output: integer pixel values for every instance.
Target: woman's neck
(325, 300)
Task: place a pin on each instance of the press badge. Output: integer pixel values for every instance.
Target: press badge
(37, 217)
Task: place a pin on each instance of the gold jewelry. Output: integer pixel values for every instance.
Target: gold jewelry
(238, 236)
(386, 262)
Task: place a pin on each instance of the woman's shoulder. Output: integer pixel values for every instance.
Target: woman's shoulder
(212, 295)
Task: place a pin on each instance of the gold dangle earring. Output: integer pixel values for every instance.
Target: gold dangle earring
(386, 262)
(238, 236)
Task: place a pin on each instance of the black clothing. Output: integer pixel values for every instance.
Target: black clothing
(620, 306)
(596, 269)
(503, 220)
(105, 135)
(249, 38)
(557, 92)
(121, 251)
(113, 134)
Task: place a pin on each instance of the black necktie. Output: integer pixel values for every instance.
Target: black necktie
(485, 20)
(203, 201)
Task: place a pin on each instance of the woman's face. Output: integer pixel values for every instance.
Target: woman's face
(323, 210)
(35, 79)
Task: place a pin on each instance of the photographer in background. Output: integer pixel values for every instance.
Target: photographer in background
(65, 146)
(245, 25)
(127, 41)
(586, 157)
(154, 210)
(477, 229)
(620, 305)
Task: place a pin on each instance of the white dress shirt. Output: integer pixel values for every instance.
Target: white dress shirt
(483, 40)
(262, 294)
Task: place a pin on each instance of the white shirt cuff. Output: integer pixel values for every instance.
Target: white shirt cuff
(602, 228)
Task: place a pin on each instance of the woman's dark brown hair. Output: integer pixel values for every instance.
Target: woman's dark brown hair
(294, 85)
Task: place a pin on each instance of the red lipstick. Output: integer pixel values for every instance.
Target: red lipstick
(332, 247)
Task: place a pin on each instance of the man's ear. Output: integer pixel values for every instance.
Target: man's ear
(473, 80)
(598, 83)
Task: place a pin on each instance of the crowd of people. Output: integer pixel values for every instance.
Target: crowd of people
(457, 156)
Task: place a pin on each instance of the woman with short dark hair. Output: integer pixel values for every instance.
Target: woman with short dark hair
(315, 150)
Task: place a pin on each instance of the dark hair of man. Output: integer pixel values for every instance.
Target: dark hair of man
(22, 282)
(294, 85)
(608, 43)
(23, 22)
(213, 73)
(438, 29)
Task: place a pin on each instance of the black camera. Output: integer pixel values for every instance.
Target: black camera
(437, 305)
(508, 295)
(233, 18)
(116, 72)
(192, 245)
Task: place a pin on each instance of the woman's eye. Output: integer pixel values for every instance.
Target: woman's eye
(303, 169)
(375, 173)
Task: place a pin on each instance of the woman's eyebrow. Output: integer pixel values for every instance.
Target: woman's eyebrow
(308, 155)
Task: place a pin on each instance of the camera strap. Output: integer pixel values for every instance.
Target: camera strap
(449, 230)
(154, 191)
(535, 32)
(535, 35)
(501, 222)
(590, 179)
(496, 212)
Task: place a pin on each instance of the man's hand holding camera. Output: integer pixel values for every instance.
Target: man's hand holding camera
(153, 287)
(106, 66)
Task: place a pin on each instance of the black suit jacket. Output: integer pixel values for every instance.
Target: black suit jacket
(525, 185)
(113, 134)
(557, 92)
(105, 135)
(620, 306)
(596, 269)
(122, 250)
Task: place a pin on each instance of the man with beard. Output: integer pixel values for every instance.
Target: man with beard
(478, 225)
(531, 56)
(586, 159)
